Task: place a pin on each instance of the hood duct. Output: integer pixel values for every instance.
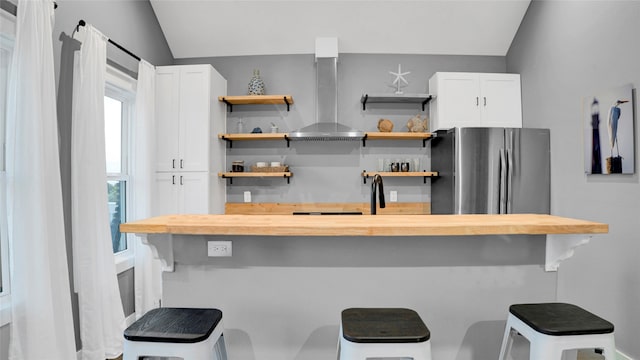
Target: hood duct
(326, 127)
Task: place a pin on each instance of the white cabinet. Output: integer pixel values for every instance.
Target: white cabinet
(183, 193)
(188, 117)
(183, 98)
(475, 100)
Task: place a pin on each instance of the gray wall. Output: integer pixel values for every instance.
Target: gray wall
(567, 50)
(330, 171)
(282, 297)
(133, 25)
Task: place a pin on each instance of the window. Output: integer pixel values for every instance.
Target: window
(114, 119)
(118, 108)
(7, 33)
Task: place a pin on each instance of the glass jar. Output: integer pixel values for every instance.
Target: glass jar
(237, 166)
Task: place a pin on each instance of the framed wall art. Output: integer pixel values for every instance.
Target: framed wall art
(609, 135)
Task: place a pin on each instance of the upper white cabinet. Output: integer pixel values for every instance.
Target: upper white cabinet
(184, 104)
(475, 100)
(188, 119)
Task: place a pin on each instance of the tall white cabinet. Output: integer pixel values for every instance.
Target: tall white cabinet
(188, 154)
(475, 100)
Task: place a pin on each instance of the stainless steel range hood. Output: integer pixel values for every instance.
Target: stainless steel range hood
(326, 127)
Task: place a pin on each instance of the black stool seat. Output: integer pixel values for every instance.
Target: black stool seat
(383, 325)
(560, 319)
(174, 325)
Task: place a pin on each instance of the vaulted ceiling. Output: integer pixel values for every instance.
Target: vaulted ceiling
(204, 28)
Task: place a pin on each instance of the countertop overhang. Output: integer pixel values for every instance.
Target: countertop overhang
(363, 225)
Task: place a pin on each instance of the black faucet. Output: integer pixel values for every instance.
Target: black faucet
(377, 181)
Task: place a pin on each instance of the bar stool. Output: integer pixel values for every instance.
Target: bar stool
(383, 332)
(552, 328)
(189, 334)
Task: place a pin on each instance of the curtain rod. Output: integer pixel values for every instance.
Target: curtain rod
(83, 23)
(12, 8)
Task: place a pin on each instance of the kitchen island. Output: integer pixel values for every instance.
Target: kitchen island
(290, 276)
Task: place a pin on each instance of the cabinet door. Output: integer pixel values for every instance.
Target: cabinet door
(166, 196)
(501, 100)
(458, 100)
(167, 119)
(195, 84)
(194, 192)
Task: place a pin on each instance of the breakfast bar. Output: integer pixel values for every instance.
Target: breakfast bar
(290, 276)
(380, 225)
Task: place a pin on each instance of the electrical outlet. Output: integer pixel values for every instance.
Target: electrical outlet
(247, 196)
(393, 196)
(218, 248)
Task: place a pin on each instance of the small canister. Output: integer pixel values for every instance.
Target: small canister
(237, 166)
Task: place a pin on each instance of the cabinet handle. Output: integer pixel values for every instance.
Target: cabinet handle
(485, 100)
(182, 160)
(173, 179)
(181, 180)
(477, 101)
(173, 163)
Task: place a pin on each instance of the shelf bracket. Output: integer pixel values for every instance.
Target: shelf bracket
(229, 105)
(229, 178)
(364, 178)
(426, 101)
(286, 102)
(364, 141)
(424, 141)
(288, 140)
(364, 102)
(288, 179)
(229, 141)
(429, 176)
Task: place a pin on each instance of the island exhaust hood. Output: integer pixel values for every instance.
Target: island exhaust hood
(326, 127)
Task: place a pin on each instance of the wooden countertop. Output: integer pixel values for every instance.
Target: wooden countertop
(363, 225)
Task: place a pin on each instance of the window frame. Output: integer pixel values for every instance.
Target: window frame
(7, 42)
(122, 87)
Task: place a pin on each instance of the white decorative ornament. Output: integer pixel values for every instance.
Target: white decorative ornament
(399, 79)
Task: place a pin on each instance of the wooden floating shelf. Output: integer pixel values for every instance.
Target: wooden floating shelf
(423, 174)
(255, 100)
(368, 136)
(263, 136)
(253, 174)
(230, 138)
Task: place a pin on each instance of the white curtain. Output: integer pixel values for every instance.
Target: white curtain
(148, 282)
(41, 319)
(101, 315)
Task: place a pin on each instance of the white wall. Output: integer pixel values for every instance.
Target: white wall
(567, 50)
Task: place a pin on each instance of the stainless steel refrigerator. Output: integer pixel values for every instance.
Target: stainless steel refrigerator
(490, 171)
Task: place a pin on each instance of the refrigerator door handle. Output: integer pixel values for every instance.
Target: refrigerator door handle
(503, 183)
(509, 199)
